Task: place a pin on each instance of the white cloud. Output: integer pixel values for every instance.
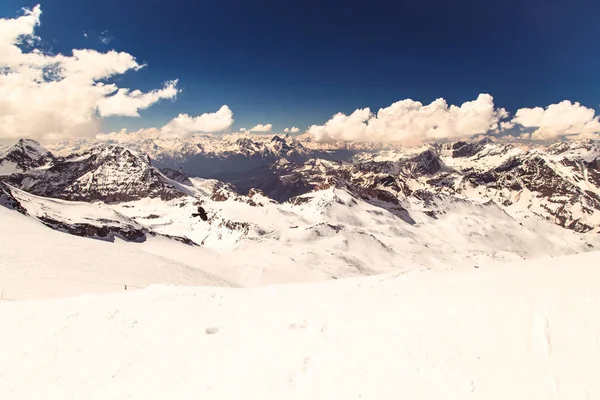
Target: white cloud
(262, 128)
(53, 97)
(124, 136)
(292, 130)
(180, 127)
(126, 103)
(183, 125)
(557, 120)
(286, 130)
(243, 129)
(411, 121)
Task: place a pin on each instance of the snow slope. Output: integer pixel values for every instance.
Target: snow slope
(336, 231)
(522, 331)
(38, 262)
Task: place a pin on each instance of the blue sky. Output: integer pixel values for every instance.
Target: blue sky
(298, 63)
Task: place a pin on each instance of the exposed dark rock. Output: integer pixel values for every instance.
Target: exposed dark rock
(463, 149)
(426, 163)
(8, 200)
(104, 232)
(297, 201)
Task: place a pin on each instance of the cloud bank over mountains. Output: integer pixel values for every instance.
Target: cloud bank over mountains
(179, 127)
(56, 96)
(411, 121)
(565, 119)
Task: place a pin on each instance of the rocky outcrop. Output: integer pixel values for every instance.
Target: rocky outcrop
(105, 232)
(7, 199)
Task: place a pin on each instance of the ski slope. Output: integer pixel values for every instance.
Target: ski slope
(520, 331)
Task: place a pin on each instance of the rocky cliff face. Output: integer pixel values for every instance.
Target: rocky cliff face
(107, 173)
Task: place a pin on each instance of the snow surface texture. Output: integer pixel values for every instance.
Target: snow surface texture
(523, 331)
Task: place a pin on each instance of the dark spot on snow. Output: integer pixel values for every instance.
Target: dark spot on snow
(212, 330)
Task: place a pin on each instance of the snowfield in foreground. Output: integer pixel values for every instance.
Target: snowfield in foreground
(519, 331)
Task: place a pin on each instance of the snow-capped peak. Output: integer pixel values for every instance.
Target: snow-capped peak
(23, 156)
(109, 173)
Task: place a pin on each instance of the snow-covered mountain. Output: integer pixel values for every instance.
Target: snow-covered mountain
(25, 155)
(324, 215)
(560, 183)
(107, 173)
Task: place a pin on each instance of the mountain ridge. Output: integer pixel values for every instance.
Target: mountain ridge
(393, 194)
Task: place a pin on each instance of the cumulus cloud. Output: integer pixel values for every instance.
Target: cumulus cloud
(411, 121)
(559, 120)
(262, 128)
(184, 125)
(127, 103)
(179, 127)
(55, 96)
(292, 130)
(124, 136)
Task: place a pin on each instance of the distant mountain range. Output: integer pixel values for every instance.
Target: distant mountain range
(353, 203)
